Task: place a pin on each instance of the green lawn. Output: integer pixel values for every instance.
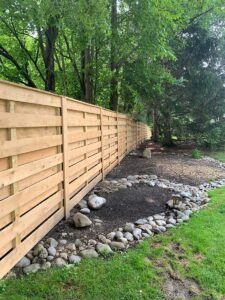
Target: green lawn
(219, 155)
(193, 251)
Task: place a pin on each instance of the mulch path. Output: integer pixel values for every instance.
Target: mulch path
(128, 205)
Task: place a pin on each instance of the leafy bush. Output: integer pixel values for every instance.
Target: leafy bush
(197, 154)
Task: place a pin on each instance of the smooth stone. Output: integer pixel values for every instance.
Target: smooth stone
(152, 177)
(82, 204)
(24, 262)
(51, 251)
(158, 217)
(96, 202)
(85, 210)
(37, 249)
(129, 236)
(60, 262)
(160, 222)
(103, 249)
(71, 247)
(151, 183)
(78, 243)
(111, 235)
(137, 233)
(117, 245)
(63, 242)
(46, 265)
(119, 235)
(33, 268)
(141, 221)
(43, 253)
(103, 239)
(64, 255)
(172, 221)
(89, 253)
(81, 220)
(131, 178)
(129, 227)
(74, 259)
(52, 242)
(162, 228)
(50, 258)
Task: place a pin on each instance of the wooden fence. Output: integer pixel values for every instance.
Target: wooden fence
(53, 150)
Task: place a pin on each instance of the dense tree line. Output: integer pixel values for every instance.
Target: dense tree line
(160, 61)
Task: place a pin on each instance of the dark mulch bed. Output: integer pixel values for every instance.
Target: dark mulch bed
(125, 205)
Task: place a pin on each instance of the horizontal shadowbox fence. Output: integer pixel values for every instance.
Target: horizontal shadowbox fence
(53, 151)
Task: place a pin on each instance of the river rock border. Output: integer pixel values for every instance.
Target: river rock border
(185, 200)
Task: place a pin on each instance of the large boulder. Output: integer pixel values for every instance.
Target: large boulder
(96, 202)
(81, 220)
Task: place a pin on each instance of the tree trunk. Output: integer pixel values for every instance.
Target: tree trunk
(113, 65)
(155, 131)
(86, 75)
(51, 34)
(167, 131)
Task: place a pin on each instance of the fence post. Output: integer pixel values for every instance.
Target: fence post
(117, 126)
(102, 145)
(65, 158)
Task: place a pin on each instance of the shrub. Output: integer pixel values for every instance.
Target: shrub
(197, 154)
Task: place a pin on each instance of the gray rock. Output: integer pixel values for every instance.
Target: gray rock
(117, 245)
(46, 265)
(51, 251)
(89, 253)
(129, 227)
(74, 259)
(131, 178)
(92, 242)
(158, 217)
(103, 249)
(160, 222)
(147, 153)
(64, 255)
(52, 242)
(153, 177)
(85, 210)
(141, 221)
(111, 235)
(137, 233)
(50, 258)
(63, 242)
(60, 262)
(118, 235)
(81, 220)
(162, 228)
(37, 249)
(96, 202)
(146, 227)
(43, 253)
(82, 204)
(103, 239)
(172, 221)
(71, 247)
(169, 226)
(78, 243)
(33, 268)
(24, 262)
(151, 183)
(129, 236)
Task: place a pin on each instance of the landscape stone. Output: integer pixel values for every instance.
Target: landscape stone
(85, 210)
(103, 249)
(89, 253)
(46, 265)
(60, 262)
(96, 202)
(129, 227)
(117, 245)
(81, 220)
(137, 233)
(51, 251)
(74, 259)
(33, 268)
(129, 236)
(24, 262)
